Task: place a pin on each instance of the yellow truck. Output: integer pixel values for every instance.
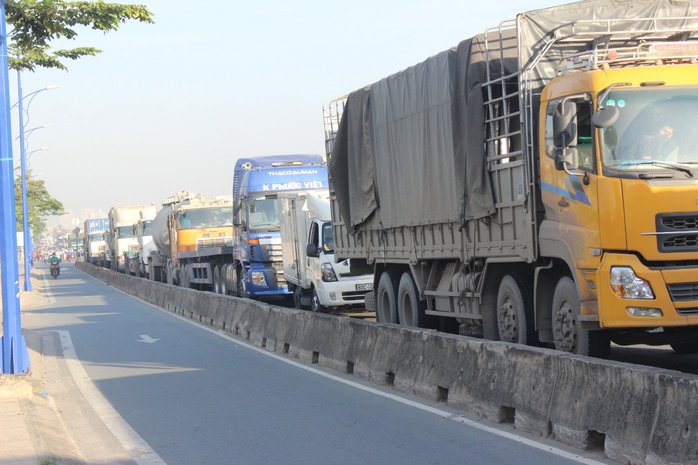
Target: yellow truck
(536, 184)
(193, 236)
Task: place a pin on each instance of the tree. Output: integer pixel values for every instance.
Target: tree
(40, 204)
(35, 23)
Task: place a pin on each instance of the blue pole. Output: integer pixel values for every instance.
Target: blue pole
(25, 207)
(14, 349)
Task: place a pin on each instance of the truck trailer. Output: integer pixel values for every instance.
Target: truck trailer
(506, 185)
(256, 269)
(317, 282)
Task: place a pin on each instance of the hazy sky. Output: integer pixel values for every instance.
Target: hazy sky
(170, 106)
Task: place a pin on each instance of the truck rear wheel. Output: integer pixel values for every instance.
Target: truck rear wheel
(568, 332)
(515, 311)
(410, 309)
(386, 299)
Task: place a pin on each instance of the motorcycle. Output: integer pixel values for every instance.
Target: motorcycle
(55, 270)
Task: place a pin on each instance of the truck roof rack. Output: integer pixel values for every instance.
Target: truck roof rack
(613, 44)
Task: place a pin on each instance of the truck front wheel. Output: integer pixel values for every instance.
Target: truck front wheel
(315, 305)
(568, 332)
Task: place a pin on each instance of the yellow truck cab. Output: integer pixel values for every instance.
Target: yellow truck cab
(619, 182)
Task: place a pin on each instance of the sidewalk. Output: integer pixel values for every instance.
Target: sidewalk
(54, 425)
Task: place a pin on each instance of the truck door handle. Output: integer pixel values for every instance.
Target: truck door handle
(563, 203)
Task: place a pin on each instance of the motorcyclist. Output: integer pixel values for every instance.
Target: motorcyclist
(55, 259)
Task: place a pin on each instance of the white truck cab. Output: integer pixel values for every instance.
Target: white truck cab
(318, 283)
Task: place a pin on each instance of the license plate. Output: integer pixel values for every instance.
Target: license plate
(364, 287)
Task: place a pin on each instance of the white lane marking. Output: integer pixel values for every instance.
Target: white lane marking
(147, 339)
(139, 450)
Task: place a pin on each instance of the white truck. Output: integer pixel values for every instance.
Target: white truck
(120, 238)
(94, 247)
(142, 229)
(317, 282)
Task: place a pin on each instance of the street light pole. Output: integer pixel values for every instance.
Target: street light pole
(15, 358)
(23, 151)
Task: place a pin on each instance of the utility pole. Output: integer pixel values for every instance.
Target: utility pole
(15, 358)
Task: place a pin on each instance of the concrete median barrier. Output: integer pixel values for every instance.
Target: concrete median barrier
(635, 414)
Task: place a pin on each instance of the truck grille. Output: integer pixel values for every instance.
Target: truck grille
(683, 292)
(211, 242)
(353, 296)
(270, 253)
(678, 232)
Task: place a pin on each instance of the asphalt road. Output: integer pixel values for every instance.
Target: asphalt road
(186, 394)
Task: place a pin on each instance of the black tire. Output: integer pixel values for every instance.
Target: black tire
(184, 277)
(685, 347)
(370, 302)
(241, 283)
(297, 294)
(515, 312)
(568, 333)
(216, 279)
(386, 299)
(410, 309)
(315, 305)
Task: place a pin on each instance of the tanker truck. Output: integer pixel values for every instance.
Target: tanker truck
(504, 188)
(123, 244)
(193, 237)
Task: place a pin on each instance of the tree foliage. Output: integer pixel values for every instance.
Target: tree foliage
(40, 204)
(35, 23)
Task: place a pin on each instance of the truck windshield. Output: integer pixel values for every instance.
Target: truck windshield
(264, 215)
(656, 129)
(98, 236)
(147, 228)
(212, 217)
(125, 232)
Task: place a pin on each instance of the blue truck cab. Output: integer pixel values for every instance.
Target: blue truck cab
(257, 267)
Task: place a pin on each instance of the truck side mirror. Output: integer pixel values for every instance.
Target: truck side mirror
(566, 159)
(311, 250)
(605, 116)
(565, 124)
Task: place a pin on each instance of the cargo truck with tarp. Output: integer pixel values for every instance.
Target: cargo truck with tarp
(519, 184)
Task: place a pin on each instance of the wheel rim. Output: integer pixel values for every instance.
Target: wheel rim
(315, 302)
(508, 321)
(566, 327)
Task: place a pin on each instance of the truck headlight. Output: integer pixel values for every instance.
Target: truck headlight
(328, 274)
(627, 285)
(258, 279)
